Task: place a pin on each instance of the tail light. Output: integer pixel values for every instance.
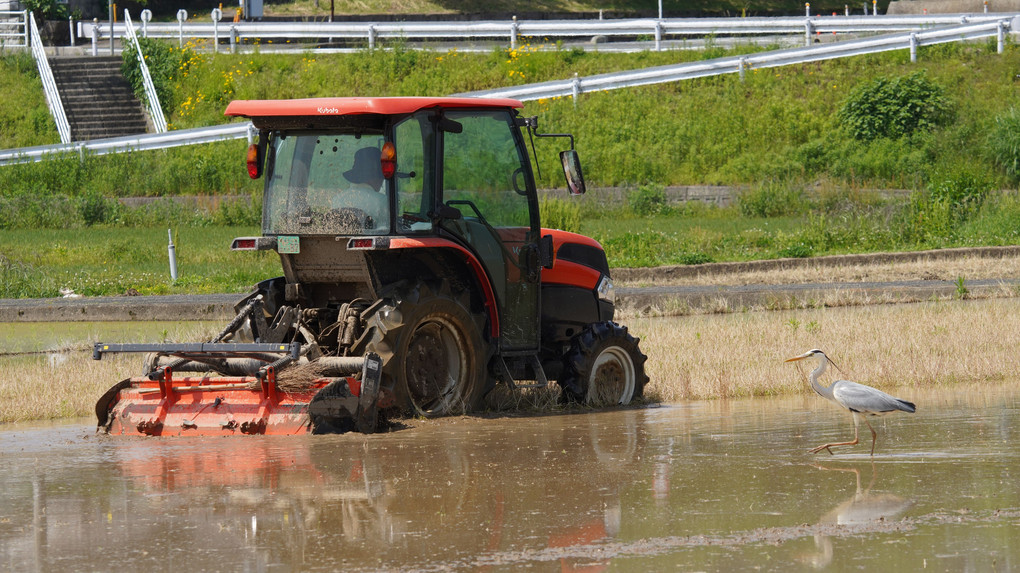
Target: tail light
(388, 158)
(254, 165)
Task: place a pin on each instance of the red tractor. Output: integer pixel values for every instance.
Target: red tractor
(416, 277)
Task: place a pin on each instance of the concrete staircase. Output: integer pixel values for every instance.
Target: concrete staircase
(97, 99)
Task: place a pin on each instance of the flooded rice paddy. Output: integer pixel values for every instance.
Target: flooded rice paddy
(716, 485)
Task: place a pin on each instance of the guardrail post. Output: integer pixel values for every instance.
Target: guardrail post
(658, 36)
(1000, 37)
(575, 88)
(743, 66)
(807, 9)
(111, 27)
(182, 15)
(808, 28)
(95, 36)
(913, 48)
(216, 15)
(514, 27)
(70, 28)
(233, 39)
(24, 18)
(371, 37)
(874, 7)
(145, 17)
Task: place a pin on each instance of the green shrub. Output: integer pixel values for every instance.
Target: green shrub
(895, 107)
(96, 209)
(165, 61)
(796, 251)
(926, 221)
(694, 259)
(770, 199)
(963, 187)
(560, 214)
(648, 200)
(1004, 143)
(46, 9)
(19, 280)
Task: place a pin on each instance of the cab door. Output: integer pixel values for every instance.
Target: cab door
(486, 176)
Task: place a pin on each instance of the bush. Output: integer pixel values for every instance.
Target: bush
(45, 9)
(962, 187)
(19, 280)
(165, 62)
(895, 107)
(560, 214)
(1004, 143)
(648, 200)
(770, 199)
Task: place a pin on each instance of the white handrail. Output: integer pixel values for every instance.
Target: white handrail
(14, 29)
(740, 64)
(49, 85)
(155, 110)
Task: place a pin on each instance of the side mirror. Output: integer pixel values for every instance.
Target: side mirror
(572, 170)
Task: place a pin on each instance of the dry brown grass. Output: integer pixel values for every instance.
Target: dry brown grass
(905, 346)
(910, 345)
(40, 387)
(971, 268)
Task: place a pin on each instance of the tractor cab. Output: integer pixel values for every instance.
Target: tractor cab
(373, 169)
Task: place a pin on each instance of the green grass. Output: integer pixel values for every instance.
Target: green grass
(109, 261)
(24, 118)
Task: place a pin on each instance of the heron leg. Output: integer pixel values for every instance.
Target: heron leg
(874, 436)
(853, 443)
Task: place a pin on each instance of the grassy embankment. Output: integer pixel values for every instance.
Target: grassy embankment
(907, 349)
(806, 168)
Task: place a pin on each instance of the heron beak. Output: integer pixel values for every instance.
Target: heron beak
(801, 357)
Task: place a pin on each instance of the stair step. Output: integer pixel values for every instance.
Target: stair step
(97, 98)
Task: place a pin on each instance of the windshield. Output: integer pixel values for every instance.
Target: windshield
(325, 184)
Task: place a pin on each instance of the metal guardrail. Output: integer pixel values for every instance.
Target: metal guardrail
(143, 142)
(572, 87)
(654, 29)
(13, 29)
(49, 85)
(741, 64)
(152, 98)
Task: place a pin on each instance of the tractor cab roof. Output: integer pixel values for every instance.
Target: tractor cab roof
(315, 110)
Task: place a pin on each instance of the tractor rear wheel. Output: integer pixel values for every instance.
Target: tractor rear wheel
(604, 367)
(432, 350)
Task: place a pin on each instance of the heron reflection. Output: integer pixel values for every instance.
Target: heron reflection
(862, 509)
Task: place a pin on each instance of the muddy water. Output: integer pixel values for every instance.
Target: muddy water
(723, 485)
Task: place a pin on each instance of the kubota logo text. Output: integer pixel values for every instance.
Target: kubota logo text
(325, 110)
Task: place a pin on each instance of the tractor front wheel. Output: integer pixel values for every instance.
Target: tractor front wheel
(604, 367)
(432, 350)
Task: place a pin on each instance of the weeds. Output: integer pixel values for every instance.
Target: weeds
(962, 291)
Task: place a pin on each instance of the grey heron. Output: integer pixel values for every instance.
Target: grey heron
(859, 399)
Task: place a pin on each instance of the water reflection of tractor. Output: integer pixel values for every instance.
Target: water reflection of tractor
(416, 277)
(458, 492)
